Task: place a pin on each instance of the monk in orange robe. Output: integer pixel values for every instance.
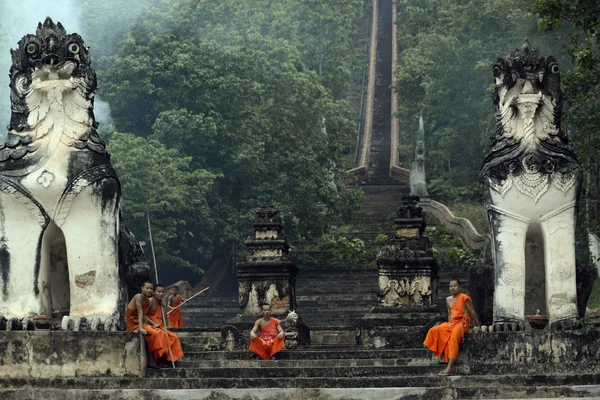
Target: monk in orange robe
(170, 345)
(136, 319)
(267, 337)
(445, 338)
(174, 315)
(135, 315)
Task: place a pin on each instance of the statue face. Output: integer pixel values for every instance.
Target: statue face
(49, 61)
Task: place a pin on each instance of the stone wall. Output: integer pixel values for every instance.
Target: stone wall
(536, 352)
(49, 354)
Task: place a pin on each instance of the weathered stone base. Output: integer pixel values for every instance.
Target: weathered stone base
(395, 327)
(49, 354)
(537, 352)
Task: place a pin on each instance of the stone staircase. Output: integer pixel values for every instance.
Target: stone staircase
(315, 372)
(378, 209)
(215, 309)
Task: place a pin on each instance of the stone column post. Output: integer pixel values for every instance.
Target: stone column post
(407, 285)
(266, 275)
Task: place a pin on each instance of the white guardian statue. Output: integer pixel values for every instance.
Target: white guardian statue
(63, 251)
(532, 181)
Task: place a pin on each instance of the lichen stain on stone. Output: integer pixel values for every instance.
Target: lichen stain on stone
(85, 280)
(280, 305)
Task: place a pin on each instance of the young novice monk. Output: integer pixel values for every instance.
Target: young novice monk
(155, 315)
(174, 316)
(445, 338)
(135, 315)
(266, 337)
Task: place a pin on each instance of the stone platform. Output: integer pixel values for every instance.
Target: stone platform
(50, 354)
(491, 365)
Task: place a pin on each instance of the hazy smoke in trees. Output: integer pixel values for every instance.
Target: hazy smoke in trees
(20, 17)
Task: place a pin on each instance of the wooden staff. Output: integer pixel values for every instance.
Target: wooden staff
(185, 301)
(156, 276)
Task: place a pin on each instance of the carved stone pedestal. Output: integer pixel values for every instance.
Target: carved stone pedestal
(407, 283)
(267, 276)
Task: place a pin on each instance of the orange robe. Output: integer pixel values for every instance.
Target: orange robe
(161, 338)
(267, 343)
(175, 318)
(445, 338)
(131, 317)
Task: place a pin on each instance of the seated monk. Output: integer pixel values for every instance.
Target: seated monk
(266, 337)
(445, 338)
(135, 315)
(174, 316)
(170, 346)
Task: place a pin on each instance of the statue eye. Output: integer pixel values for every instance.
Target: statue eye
(496, 70)
(554, 68)
(32, 48)
(74, 48)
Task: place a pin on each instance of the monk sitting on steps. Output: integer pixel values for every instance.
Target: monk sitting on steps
(155, 315)
(135, 315)
(445, 338)
(266, 337)
(174, 316)
(136, 319)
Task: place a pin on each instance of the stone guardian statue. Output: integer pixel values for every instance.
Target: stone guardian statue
(532, 180)
(60, 227)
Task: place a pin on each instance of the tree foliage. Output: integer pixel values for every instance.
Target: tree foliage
(226, 105)
(581, 86)
(447, 50)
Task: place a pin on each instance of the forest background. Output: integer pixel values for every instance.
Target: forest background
(214, 107)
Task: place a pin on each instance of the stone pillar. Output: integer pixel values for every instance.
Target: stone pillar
(407, 269)
(418, 183)
(266, 275)
(406, 305)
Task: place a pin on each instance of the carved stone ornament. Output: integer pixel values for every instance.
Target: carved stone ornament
(534, 153)
(418, 181)
(531, 182)
(59, 195)
(266, 275)
(406, 267)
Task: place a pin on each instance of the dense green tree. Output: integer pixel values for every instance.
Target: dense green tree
(228, 93)
(447, 50)
(582, 87)
(159, 181)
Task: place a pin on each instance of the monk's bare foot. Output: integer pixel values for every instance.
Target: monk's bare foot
(446, 372)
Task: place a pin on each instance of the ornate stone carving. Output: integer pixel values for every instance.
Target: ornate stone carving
(531, 179)
(59, 195)
(511, 273)
(266, 275)
(407, 269)
(562, 269)
(418, 181)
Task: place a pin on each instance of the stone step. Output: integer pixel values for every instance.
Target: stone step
(324, 353)
(275, 371)
(339, 298)
(413, 393)
(330, 363)
(337, 284)
(470, 382)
